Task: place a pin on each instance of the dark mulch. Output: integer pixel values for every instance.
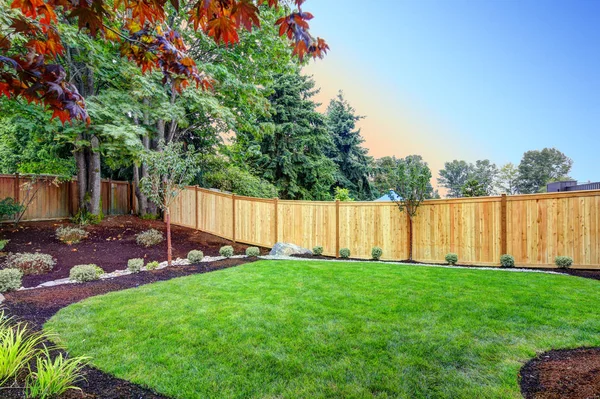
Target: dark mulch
(38, 305)
(109, 244)
(562, 374)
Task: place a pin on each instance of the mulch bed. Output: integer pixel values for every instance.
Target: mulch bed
(37, 306)
(109, 244)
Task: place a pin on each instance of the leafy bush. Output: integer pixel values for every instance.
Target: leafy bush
(239, 181)
(52, 378)
(83, 273)
(10, 279)
(9, 208)
(149, 238)
(152, 265)
(135, 265)
(376, 253)
(452, 258)
(252, 251)
(83, 217)
(30, 263)
(563, 262)
(345, 253)
(226, 251)
(342, 194)
(195, 256)
(507, 260)
(18, 346)
(150, 216)
(3, 244)
(70, 235)
(318, 250)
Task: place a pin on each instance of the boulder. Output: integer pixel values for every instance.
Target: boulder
(287, 249)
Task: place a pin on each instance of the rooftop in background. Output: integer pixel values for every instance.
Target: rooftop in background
(386, 197)
(571, 185)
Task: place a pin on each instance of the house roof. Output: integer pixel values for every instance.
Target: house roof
(386, 197)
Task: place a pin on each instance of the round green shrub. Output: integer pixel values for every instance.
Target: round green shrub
(70, 235)
(149, 238)
(195, 256)
(252, 252)
(345, 253)
(507, 260)
(3, 244)
(452, 258)
(563, 262)
(10, 279)
(30, 263)
(83, 273)
(376, 253)
(318, 250)
(152, 265)
(135, 265)
(226, 251)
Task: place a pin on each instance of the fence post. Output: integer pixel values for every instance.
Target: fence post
(69, 198)
(276, 203)
(17, 193)
(233, 218)
(503, 227)
(337, 228)
(110, 199)
(196, 207)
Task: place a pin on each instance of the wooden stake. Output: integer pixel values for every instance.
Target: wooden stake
(233, 218)
(337, 228)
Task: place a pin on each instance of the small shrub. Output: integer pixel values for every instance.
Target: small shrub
(253, 252)
(226, 251)
(70, 235)
(9, 208)
(52, 378)
(563, 262)
(3, 244)
(135, 265)
(318, 250)
(152, 265)
(452, 258)
(83, 217)
(18, 346)
(30, 263)
(10, 279)
(345, 253)
(507, 261)
(150, 216)
(149, 238)
(195, 256)
(376, 253)
(83, 273)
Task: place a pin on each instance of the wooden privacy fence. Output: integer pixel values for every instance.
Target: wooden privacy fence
(61, 200)
(533, 228)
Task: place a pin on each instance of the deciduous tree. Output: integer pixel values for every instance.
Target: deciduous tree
(454, 176)
(537, 168)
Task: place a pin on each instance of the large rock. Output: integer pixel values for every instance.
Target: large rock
(287, 249)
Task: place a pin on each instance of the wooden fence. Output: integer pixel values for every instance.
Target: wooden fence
(533, 228)
(60, 200)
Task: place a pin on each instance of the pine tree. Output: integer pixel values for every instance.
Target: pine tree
(354, 165)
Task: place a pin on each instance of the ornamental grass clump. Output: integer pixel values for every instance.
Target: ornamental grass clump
(452, 259)
(84, 273)
(345, 253)
(70, 235)
(252, 252)
(563, 262)
(51, 378)
(30, 263)
(149, 238)
(376, 253)
(152, 265)
(135, 265)
(10, 280)
(18, 346)
(195, 256)
(507, 260)
(317, 251)
(226, 251)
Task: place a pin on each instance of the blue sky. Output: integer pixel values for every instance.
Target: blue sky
(467, 79)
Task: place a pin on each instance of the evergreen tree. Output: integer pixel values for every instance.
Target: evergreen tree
(292, 154)
(354, 165)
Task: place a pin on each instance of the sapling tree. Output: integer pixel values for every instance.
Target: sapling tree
(170, 170)
(411, 183)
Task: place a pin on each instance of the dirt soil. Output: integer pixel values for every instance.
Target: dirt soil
(109, 244)
(37, 306)
(562, 374)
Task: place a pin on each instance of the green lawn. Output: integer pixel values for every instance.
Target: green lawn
(345, 330)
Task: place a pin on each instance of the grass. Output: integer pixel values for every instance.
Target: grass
(322, 330)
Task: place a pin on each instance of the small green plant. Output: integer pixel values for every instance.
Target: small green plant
(195, 256)
(150, 216)
(149, 238)
(345, 253)
(18, 346)
(563, 262)
(70, 235)
(318, 250)
(3, 244)
(226, 251)
(83, 273)
(30, 263)
(507, 260)
(135, 265)
(84, 218)
(152, 265)
(376, 253)
(252, 252)
(10, 279)
(51, 378)
(342, 194)
(9, 208)
(452, 259)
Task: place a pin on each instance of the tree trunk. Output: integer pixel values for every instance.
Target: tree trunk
(94, 178)
(142, 199)
(81, 175)
(169, 248)
(410, 238)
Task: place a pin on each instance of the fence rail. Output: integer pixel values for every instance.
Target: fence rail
(533, 228)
